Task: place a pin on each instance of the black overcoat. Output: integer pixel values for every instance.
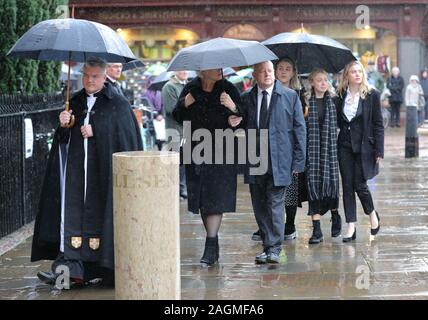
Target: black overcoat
(88, 224)
(371, 133)
(211, 187)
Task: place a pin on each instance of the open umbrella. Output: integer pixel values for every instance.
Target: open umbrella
(241, 75)
(310, 51)
(227, 72)
(220, 53)
(71, 40)
(160, 80)
(154, 69)
(133, 65)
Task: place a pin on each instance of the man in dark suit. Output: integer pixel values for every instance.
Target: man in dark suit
(114, 71)
(271, 109)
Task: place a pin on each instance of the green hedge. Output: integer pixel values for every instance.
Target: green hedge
(16, 18)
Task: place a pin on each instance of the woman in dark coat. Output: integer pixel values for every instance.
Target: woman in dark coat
(206, 103)
(360, 144)
(395, 84)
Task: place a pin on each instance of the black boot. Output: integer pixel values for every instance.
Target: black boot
(317, 235)
(336, 224)
(210, 253)
(290, 229)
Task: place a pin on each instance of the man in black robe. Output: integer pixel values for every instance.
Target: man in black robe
(74, 224)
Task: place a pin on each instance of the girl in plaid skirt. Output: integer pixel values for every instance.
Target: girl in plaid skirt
(322, 166)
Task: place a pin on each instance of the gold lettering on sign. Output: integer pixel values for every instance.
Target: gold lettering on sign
(335, 12)
(145, 14)
(242, 12)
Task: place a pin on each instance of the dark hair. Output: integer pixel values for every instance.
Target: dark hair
(93, 62)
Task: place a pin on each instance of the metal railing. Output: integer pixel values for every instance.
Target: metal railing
(23, 154)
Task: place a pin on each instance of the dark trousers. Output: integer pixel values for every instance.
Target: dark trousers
(353, 181)
(268, 206)
(395, 112)
(426, 108)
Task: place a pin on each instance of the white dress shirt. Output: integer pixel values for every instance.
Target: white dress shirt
(259, 100)
(351, 105)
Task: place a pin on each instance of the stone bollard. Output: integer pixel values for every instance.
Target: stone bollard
(146, 225)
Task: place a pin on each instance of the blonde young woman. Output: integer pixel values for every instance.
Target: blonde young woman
(360, 144)
(322, 167)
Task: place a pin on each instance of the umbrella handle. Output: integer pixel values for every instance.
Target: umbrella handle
(67, 98)
(71, 123)
(72, 119)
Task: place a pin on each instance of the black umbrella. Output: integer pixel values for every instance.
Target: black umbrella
(71, 40)
(310, 51)
(159, 81)
(220, 53)
(164, 77)
(133, 65)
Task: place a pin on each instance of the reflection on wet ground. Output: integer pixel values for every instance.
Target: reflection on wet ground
(393, 266)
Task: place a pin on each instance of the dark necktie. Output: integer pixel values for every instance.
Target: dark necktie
(264, 114)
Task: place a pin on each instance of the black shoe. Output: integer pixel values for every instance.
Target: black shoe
(353, 237)
(398, 126)
(256, 236)
(317, 235)
(290, 232)
(315, 239)
(210, 253)
(183, 195)
(336, 225)
(273, 257)
(47, 277)
(261, 258)
(374, 232)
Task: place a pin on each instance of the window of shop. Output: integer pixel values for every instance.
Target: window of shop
(158, 44)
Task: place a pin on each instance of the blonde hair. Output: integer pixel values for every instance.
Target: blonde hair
(344, 83)
(294, 81)
(311, 79)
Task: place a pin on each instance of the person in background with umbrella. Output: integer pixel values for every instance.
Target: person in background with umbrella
(322, 166)
(270, 105)
(114, 71)
(360, 144)
(207, 102)
(286, 73)
(170, 93)
(154, 97)
(74, 224)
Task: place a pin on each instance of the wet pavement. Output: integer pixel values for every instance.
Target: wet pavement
(393, 266)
